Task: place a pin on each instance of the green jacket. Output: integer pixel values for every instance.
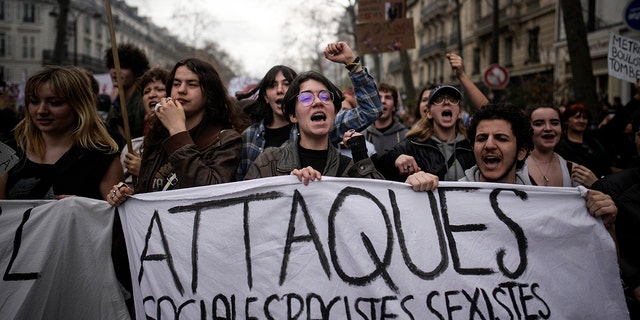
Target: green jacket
(281, 161)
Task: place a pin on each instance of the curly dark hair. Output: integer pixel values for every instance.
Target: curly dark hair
(130, 57)
(510, 113)
(289, 100)
(152, 75)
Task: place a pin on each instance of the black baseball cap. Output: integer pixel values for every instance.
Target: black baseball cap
(442, 89)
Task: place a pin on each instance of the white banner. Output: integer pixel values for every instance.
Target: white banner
(8, 158)
(365, 249)
(624, 58)
(55, 258)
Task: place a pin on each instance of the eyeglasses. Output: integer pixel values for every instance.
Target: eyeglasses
(307, 97)
(440, 100)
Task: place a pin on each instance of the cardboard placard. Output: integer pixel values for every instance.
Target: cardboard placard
(386, 36)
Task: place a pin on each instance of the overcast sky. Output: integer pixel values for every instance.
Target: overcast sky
(251, 31)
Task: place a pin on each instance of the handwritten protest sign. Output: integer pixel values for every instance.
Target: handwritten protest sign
(376, 37)
(365, 249)
(624, 58)
(382, 27)
(370, 11)
(55, 258)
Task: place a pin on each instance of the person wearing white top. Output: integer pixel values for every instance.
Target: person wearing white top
(544, 167)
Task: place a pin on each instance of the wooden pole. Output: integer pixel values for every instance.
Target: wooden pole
(116, 62)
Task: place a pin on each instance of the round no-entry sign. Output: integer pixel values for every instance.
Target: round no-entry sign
(496, 77)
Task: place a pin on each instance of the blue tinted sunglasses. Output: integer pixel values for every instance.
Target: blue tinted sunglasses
(307, 97)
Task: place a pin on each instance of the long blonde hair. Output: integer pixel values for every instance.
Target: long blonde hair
(71, 85)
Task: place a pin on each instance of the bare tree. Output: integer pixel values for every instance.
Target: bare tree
(350, 27)
(192, 18)
(407, 76)
(320, 28)
(220, 59)
(60, 48)
(584, 83)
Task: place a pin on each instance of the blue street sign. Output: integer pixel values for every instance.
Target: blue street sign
(632, 15)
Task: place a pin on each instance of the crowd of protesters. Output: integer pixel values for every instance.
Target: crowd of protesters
(190, 132)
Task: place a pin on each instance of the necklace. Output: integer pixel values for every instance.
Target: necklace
(546, 172)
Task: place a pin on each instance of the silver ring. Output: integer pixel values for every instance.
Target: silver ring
(158, 105)
(120, 185)
(410, 166)
(168, 99)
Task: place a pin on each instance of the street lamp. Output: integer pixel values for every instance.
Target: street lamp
(75, 15)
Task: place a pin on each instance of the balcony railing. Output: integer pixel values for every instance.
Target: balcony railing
(433, 10)
(394, 65)
(532, 4)
(484, 25)
(454, 38)
(85, 61)
(438, 46)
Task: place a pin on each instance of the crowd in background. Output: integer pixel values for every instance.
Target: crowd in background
(188, 131)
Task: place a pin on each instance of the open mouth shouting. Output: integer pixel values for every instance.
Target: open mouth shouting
(447, 115)
(491, 162)
(319, 116)
(548, 136)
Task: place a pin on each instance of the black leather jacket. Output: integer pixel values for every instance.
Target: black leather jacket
(427, 155)
(624, 189)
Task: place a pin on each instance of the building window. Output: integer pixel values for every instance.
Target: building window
(29, 12)
(508, 52)
(98, 31)
(476, 61)
(455, 31)
(477, 12)
(3, 44)
(32, 47)
(1, 10)
(87, 25)
(454, 25)
(591, 19)
(29, 47)
(534, 47)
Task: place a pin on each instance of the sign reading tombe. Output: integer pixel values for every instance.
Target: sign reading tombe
(624, 58)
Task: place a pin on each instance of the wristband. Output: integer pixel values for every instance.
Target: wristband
(354, 62)
(351, 66)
